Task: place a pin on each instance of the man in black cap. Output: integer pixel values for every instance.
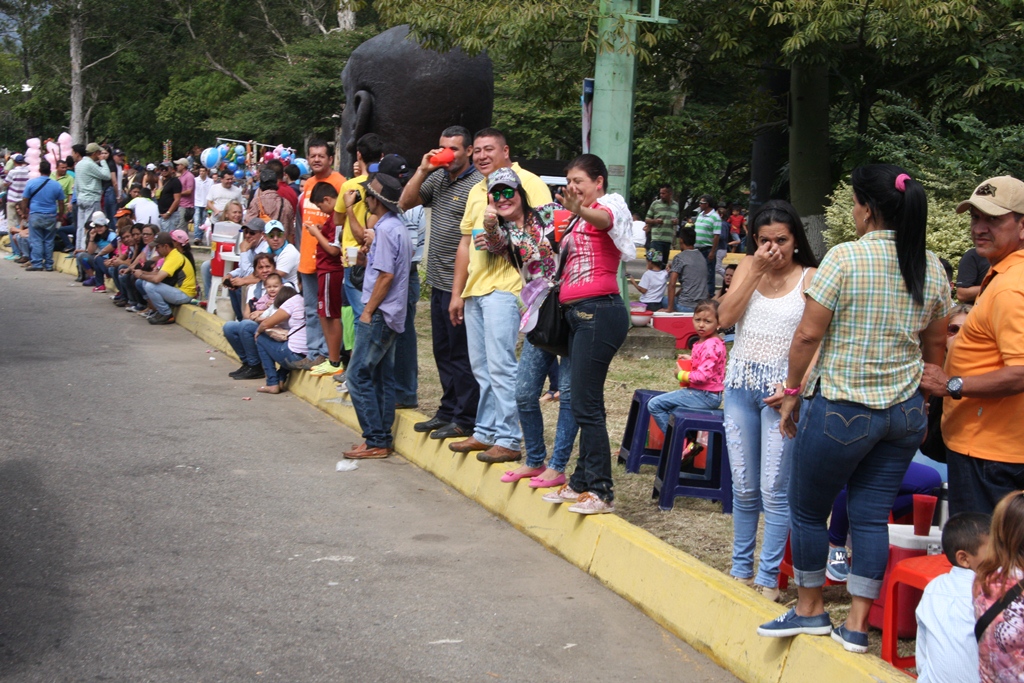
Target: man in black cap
(370, 376)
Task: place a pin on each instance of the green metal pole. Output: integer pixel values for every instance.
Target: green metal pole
(614, 81)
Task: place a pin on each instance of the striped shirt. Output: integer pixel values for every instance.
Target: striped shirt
(666, 211)
(447, 198)
(16, 180)
(871, 352)
(707, 226)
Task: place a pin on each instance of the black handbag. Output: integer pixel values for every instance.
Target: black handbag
(551, 333)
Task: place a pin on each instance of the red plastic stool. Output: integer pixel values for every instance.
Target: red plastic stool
(915, 572)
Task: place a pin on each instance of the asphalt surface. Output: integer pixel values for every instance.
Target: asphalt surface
(155, 526)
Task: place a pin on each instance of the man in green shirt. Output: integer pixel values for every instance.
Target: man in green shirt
(708, 225)
(662, 219)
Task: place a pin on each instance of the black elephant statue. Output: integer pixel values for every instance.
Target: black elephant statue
(408, 95)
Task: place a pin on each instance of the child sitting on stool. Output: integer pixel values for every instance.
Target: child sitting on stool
(704, 381)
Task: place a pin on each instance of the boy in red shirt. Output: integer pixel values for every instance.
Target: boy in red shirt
(329, 275)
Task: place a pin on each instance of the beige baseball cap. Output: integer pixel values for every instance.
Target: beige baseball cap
(996, 197)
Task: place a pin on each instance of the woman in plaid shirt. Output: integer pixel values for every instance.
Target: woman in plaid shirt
(875, 307)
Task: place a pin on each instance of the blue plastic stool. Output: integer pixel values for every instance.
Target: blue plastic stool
(634, 451)
(715, 481)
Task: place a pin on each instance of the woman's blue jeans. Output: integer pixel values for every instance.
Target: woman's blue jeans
(533, 369)
(597, 328)
(273, 353)
(240, 335)
(868, 451)
(760, 462)
(661, 407)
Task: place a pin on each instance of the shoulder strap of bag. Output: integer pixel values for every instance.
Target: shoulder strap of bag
(41, 186)
(996, 609)
(561, 254)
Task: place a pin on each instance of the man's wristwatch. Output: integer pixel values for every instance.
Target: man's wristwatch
(955, 387)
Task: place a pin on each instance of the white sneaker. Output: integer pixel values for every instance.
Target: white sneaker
(563, 494)
(590, 504)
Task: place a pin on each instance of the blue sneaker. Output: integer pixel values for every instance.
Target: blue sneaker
(852, 641)
(838, 566)
(789, 624)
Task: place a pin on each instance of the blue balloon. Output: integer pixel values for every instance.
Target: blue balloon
(249, 174)
(210, 157)
(240, 151)
(239, 174)
(223, 149)
(303, 166)
(232, 167)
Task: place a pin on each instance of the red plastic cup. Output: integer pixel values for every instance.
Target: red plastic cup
(561, 220)
(442, 158)
(924, 512)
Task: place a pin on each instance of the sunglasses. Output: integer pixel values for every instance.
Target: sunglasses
(505, 192)
(953, 330)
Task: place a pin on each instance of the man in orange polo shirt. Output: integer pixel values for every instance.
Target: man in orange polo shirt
(983, 416)
(320, 163)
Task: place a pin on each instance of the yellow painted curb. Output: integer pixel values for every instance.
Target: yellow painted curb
(707, 609)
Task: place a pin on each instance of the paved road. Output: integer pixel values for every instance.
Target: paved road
(156, 527)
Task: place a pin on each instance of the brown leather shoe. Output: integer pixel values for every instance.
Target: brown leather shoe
(369, 454)
(469, 445)
(358, 449)
(499, 454)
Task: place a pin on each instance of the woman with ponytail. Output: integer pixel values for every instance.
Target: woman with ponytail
(865, 414)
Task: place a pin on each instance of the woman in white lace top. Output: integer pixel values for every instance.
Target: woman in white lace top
(765, 301)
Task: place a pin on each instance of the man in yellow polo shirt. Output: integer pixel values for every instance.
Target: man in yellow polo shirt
(489, 300)
(983, 380)
(369, 149)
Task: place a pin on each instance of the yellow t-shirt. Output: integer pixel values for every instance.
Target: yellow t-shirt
(490, 272)
(180, 272)
(359, 210)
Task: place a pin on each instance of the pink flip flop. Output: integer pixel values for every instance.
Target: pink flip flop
(512, 476)
(538, 483)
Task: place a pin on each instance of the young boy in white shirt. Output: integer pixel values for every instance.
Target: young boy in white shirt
(654, 282)
(947, 651)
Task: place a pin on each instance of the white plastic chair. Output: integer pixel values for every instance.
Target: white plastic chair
(224, 239)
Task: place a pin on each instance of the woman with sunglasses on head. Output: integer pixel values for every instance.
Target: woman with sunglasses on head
(590, 254)
(525, 236)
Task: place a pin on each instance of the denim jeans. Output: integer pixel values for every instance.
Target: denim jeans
(171, 222)
(240, 334)
(84, 260)
(371, 380)
(976, 485)
(163, 296)
(533, 369)
(207, 278)
(760, 462)
(867, 450)
(460, 393)
(316, 344)
(661, 407)
(67, 236)
(126, 285)
(273, 354)
(20, 246)
(406, 365)
(492, 329)
(353, 295)
(918, 479)
(200, 219)
(110, 204)
(597, 328)
(42, 232)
